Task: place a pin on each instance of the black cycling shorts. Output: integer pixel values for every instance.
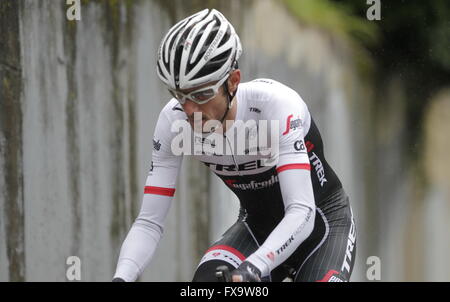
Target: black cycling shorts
(327, 255)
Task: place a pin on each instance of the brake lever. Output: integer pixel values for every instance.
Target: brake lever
(223, 273)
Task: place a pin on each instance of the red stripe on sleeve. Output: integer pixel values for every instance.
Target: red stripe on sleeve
(294, 166)
(159, 191)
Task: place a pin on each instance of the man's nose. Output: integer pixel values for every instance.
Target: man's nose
(190, 107)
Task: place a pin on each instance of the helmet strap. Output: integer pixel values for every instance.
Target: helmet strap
(229, 99)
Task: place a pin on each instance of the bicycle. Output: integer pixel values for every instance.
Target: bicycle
(223, 274)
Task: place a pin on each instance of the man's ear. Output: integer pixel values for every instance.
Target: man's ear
(233, 82)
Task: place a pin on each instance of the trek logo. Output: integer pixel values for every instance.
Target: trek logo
(251, 165)
(285, 245)
(253, 185)
(292, 124)
(254, 109)
(319, 168)
(350, 246)
(156, 145)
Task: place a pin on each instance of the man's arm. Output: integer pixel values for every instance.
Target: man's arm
(293, 169)
(296, 225)
(143, 238)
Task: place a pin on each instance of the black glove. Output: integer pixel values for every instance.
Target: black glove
(117, 279)
(246, 272)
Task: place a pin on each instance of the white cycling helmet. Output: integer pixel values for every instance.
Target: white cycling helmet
(197, 50)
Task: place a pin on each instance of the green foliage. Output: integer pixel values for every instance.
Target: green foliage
(411, 41)
(411, 34)
(415, 45)
(415, 34)
(338, 20)
(335, 18)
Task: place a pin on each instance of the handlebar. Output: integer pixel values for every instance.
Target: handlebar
(223, 273)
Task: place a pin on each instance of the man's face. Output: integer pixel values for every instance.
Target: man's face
(212, 110)
(215, 108)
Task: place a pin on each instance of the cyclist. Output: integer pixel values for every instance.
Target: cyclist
(295, 218)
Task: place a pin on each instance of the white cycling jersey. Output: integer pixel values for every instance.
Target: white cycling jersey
(278, 192)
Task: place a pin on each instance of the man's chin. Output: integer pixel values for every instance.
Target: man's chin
(200, 127)
(197, 126)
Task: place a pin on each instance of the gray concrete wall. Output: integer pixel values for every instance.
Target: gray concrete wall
(78, 106)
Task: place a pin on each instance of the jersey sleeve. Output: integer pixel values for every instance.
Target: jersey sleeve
(142, 239)
(293, 170)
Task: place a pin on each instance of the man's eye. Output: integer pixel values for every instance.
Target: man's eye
(203, 95)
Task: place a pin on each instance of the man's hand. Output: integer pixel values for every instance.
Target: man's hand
(246, 272)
